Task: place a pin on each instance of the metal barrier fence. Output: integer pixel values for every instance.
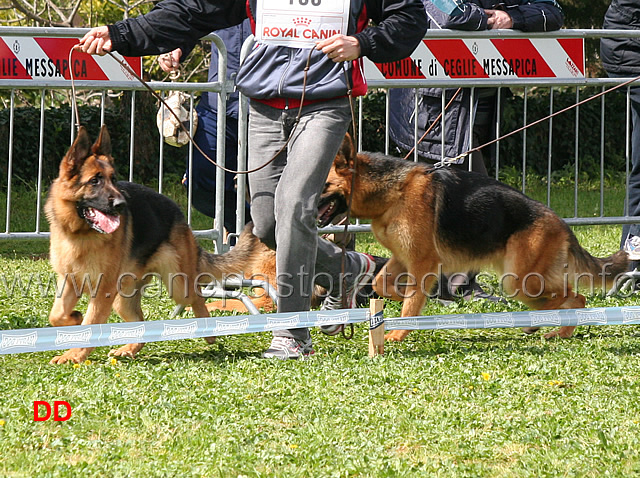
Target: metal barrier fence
(606, 212)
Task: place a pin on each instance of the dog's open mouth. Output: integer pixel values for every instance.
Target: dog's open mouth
(101, 222)
(329, 208)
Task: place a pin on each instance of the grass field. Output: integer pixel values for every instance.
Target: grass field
(444, 403)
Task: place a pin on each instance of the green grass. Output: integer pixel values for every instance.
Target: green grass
(443, 403)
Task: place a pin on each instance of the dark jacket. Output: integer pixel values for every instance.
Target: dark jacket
(274, 71)
(527, 15)
(621, 56)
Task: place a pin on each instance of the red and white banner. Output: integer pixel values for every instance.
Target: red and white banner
(487, 58)
(37, 58)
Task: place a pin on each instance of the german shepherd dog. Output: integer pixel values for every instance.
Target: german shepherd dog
(449, 220)
(109, 237)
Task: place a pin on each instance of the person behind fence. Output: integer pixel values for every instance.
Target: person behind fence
(203, 175)
(285, 193)
(621, 59)
(469, 15)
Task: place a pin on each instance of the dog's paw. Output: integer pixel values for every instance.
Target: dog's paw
(210, 340)
(72, 355)
(396, 335)
(562, 333)
(127, 351)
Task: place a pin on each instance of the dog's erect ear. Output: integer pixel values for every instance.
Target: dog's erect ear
(77, 153)
(346, 155)
(103, 145)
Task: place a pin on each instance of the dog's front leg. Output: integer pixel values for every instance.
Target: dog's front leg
(415, 297)
(67, 297)
(97, 313)
(418, 285)
(390, 282)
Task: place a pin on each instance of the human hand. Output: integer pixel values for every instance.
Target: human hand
(170, 61)
(96, 42)
(340, 48)
(498, 19)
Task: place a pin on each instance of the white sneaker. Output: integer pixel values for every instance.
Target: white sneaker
(288, 348)
(632, 247)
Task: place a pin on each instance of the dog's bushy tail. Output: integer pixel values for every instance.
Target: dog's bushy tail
(238, 260)
(603, 271)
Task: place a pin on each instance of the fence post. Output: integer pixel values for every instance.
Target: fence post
(376, 327)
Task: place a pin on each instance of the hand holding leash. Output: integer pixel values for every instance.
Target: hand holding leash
(170, 62)
(340, 48)
(96, 42)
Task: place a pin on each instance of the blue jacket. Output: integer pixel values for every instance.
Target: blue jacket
(272, 72)
(233, 38)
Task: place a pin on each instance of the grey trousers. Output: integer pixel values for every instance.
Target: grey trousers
(285, 195)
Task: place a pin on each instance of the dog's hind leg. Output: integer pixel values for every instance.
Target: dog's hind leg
(127, 306)
(185, 291)
(553, 300)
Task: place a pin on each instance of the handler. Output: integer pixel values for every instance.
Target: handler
(285, 194)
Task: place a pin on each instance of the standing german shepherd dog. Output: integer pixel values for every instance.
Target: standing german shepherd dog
(114, 235)
(455, 221)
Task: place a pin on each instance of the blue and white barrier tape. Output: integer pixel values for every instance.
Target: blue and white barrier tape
(533, 318)
(104, 335)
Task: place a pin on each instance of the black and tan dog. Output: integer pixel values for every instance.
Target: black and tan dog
(454, 221)
(108, 238)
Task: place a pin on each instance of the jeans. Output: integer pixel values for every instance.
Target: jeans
(285, 195)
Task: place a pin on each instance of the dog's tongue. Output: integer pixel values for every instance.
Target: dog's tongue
(106, 223)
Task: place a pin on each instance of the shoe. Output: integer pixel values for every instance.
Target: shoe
(470, 292)
(334, 302)
(632, 247)
(367, 293)
(284, 348)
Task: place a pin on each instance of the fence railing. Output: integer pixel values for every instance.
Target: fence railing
(605, 198)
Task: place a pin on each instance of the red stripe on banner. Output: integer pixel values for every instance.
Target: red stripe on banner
(84, 66)
(405, 68)
(523, 58)
(456, 59)
(10, 66)
(574, 47)
(135, 63)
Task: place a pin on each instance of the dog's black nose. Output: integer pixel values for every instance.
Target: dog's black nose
(117, 202)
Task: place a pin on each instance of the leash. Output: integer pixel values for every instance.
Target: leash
(448, 161)
(435, 122)
(124, 65)
(296, 122)
(347, 219)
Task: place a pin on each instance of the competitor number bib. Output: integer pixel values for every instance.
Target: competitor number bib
(300, 23)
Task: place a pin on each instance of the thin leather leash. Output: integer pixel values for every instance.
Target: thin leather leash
(433, 125)
(347, 220)
(297, 120)
(159, 98)
(449, 161)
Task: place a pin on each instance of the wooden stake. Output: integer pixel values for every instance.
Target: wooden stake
(376, 328)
